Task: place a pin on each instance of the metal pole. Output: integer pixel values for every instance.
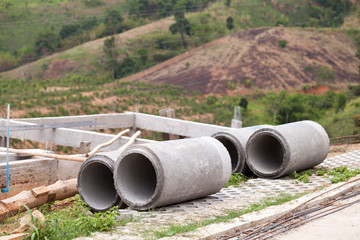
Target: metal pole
(7, 150)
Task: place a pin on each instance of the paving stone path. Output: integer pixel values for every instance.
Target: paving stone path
(228, 199)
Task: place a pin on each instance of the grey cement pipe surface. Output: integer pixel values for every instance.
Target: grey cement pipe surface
(163, 173)
(279, 150)
(235, 142)
(96, 184)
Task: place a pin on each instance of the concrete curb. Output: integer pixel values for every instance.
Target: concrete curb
(253, 219)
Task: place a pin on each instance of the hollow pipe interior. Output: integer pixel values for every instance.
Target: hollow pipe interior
(266, 153)
(137, 178)
(97, 186)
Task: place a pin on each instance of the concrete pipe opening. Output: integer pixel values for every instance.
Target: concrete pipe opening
(136, 177)
(266, 154)
(233, 152)
(96, 186)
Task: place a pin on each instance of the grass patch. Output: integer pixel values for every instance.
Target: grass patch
(339, 174)
(74, 222)
(177, 229)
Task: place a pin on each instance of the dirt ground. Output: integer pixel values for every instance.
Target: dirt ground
(341, 149)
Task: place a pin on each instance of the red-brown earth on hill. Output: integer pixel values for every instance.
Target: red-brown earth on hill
(254, 56)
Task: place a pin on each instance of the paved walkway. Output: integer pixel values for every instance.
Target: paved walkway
(231, 198)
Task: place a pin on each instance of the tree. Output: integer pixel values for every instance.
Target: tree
(7, 61)
(113, 22)
(89, 23)
(111, 55)
(230, 23)
(292, 108)
(355, 89)
(340, 102)
(244, 102)
(6, 5)
(68, 30)
(274, 102)
(47, 42)
(128, 66)
(227, 3)
(143, 54)
(182, 25)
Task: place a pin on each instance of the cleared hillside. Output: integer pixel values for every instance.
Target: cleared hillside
(254, 58)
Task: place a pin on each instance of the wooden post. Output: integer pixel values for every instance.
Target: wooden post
(2, 141)
(84, 147)
(170, 113)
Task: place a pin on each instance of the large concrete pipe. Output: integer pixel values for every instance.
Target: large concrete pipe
(163, 173)
(277, 151)
(96, 184)
(235, 142)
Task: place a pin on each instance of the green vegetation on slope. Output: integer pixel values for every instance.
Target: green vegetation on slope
(32, 29)
(35, 28)
(79, 95)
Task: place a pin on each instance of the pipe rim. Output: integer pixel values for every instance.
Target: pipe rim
(240, 165)
(284, 146)
(108, 163)
(158, 169)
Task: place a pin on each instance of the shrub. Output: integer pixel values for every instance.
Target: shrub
(325, 74)
(243, 102)
(355, 89)
(282, 43)
(308, 68)
(69, 30)
(210, 100)
(92, 3)
(248, 83)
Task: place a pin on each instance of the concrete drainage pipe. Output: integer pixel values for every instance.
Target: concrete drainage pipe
(163, 173)
(234, 141)
(96, 184)
(277, 151)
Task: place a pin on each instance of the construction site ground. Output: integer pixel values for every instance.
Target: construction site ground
(338, 225)
(145, 224)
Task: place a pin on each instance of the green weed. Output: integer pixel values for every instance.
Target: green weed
(302, 176)
(236, 179)
(339, 174)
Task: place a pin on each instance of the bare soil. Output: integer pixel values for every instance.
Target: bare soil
(255, 55)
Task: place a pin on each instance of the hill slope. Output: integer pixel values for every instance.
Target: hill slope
(309, 57)
(83, 58)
